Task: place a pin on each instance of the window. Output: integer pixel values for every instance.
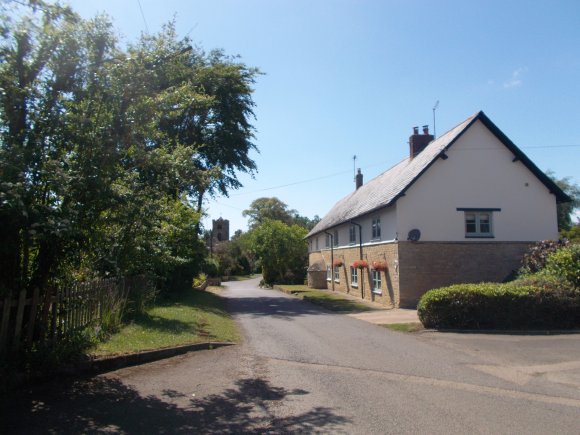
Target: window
(478, 222)
(337, 274)
(376, 228)
(353, 276)
(327, 241)
(352, 235)
(328, 273)
(317, 243)
(376, 279)
(335, 237)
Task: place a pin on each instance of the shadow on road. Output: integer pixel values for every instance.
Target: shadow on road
(277, 307)
(103, 404)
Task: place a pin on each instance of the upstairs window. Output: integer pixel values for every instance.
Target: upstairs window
(478, 222)
(317, 243)
(352, 235)
(327, 241)
(335, 237)
(376, 229)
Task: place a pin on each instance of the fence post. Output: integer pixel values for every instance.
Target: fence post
(32, 319)
(19, 317)
(4, 324)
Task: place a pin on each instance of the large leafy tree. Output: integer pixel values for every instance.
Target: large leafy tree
(272, 208)
(281, 250)
(106, 154)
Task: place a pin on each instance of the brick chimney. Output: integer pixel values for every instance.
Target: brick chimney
(418, 142)
(358, 179)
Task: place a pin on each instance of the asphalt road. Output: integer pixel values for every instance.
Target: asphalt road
(301, 369)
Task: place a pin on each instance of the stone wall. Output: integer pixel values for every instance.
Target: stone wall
(428, 265)
(379, 252)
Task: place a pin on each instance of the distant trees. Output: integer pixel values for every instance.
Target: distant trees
(262, 209)
(566, 209)
(106, 154)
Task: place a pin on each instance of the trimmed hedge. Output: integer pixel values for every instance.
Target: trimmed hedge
(544, 303)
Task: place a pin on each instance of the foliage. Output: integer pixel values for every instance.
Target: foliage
(565, 263)
(500, 306)
(573, 234)
(380, 266)
(566, 209)
(262, 209)
(107, 153)
(198, 280)
(360, 264)
(337, 263)
(281, 250)
(535, 259)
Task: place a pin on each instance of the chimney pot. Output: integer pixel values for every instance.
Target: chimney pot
(418, 142)
(415, 130)
(359, 179)
(425, 129)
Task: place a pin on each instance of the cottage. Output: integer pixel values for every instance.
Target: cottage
(460, 208)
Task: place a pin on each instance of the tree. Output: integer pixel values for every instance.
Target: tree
(566, 209)
(262, 209)
(281, 250)
(272, 208)
(106, 154)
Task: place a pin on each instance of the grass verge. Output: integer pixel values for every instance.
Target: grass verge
(188, 317)
(404, 327)
(326, 299)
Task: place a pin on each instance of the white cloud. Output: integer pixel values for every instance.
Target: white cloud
(516, 79)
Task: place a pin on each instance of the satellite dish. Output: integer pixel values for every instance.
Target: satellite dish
(414, 235)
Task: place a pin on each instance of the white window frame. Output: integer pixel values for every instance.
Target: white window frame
(327, 241)
(317, 243)
(328, 273)
(337, 274)
(352, 235)
(377, 282)
(335, 238)
(478, 221)
(353, 276)
(376, 228)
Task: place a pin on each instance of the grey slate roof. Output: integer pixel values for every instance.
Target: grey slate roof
(385, 189)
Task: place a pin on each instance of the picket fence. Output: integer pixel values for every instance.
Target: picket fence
(59, 312)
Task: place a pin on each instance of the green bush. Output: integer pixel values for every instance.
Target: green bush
(565, 263)
(501, 306)
(535, 259)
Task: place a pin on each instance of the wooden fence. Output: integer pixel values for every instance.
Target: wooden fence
(59, 312)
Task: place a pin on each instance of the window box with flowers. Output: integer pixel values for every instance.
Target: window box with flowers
(337, 263)
(360, 264)
(380, 266)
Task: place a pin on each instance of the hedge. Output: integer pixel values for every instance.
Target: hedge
(545, 303)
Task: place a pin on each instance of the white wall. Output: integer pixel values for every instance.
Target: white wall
(388, 218)
(479, 173)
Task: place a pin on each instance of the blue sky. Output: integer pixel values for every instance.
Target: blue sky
(352, 77)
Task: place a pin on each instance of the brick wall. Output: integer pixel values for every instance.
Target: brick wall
(428, 265)
(379, 252)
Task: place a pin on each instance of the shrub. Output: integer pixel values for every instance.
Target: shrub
(565, 263)
(198, 280)
(535, 259)
(500, 306)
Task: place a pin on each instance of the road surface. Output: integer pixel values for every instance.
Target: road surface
(301, 369)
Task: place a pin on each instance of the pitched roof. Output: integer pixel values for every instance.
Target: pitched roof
(385, 189)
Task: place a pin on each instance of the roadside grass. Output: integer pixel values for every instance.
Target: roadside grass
(188, 317)
(404, 327)
(326, 299)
